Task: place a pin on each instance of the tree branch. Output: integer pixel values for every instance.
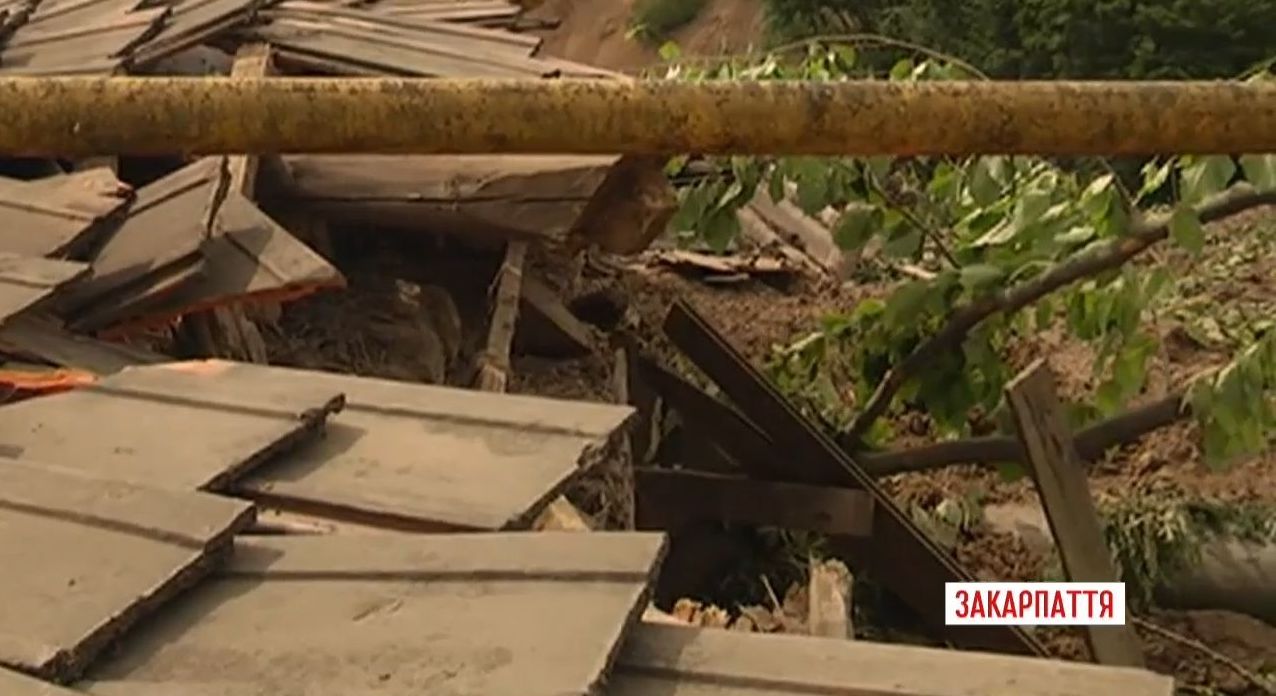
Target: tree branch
(1091, 442)
(1113, 254)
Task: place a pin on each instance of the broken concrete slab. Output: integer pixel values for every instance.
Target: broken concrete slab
(86, 557)
(417, 456)
(183, 427)
(665, 660)
(522, 614)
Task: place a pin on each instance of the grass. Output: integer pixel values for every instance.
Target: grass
(654, 21)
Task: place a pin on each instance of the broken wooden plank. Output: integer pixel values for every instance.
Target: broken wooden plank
(43, 338)
(25, 281)
(423, 457)
(59, 215)
(669, 499)
(187, 426)
(162, 236)
(1065, 496)
(17, 684)
(804, 232)
(665, 660)
(494, 362)
(86, 557)
(495, 614)
(79, 38)
(828, 598)
(899, 554)
(191, 22)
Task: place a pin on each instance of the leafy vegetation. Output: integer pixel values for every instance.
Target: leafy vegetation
(1015, 245)
(653, 21)
(1146, 39)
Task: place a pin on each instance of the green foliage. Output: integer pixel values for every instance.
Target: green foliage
(981, 225)
(653, 21)
(1153, 537)
(1145, 39)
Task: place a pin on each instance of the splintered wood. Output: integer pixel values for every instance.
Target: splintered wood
(661, 660)
(183, 429)
(397, 615)
(85, 557)
(425, 457)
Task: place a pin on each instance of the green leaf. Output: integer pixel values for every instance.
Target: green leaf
(1205, 177)
(905, 241)
(984, 185)
(979, 276)
(1154, 177)
(879, 167)
(904, 305)
(720, 229)
(1186, 229)
(1260, 170)
(856, 226)
(775, 187)
(902, 70)
(1011, 471)
(1076, 235)
(669, 52)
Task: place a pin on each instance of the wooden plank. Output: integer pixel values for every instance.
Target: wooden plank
(670, 499)
(60, 215)
(495, 614)
(547, 327)
(87, 557)
(16, 684)
(662, 660)
(43, 338)
(425, 457)
(24, 281)
(899, 554)
(80, 38)
(534, 197)
(1065, 496)
(164, 231)
(395, 50)
(183, 427)
(192, 23)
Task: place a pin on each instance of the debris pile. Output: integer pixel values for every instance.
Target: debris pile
(178, 442)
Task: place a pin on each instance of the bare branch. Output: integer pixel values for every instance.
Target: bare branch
(1113, 254)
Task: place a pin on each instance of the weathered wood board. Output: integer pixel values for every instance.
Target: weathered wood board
(662, 660)
(17, 684)
(528, 614)
(26, 280)
(79, 38)
(85, 557)
(43, 338)
(191, 23)
(184, 427)
(427, 457)
(58, 215)
(1065, 495)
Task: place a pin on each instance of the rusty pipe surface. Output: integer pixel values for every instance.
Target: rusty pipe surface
(86, 116)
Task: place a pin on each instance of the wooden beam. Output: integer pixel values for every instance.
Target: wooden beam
(669, 499)
(84, 116)
(1065, 495)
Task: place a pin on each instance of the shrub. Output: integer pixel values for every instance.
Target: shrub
(654, 20)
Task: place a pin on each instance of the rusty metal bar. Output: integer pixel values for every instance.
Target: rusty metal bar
(84, 116)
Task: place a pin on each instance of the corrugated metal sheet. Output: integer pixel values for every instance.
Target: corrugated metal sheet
(397, 615)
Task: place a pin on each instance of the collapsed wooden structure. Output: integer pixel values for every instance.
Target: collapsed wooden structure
(142, 475)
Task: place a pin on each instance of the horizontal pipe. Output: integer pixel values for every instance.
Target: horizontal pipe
(86, 116)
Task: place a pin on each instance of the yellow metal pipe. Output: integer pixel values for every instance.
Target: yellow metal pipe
(84, 116)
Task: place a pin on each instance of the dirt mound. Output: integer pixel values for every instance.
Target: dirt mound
(594, 32)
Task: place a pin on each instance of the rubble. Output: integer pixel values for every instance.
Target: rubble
(167, 373)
